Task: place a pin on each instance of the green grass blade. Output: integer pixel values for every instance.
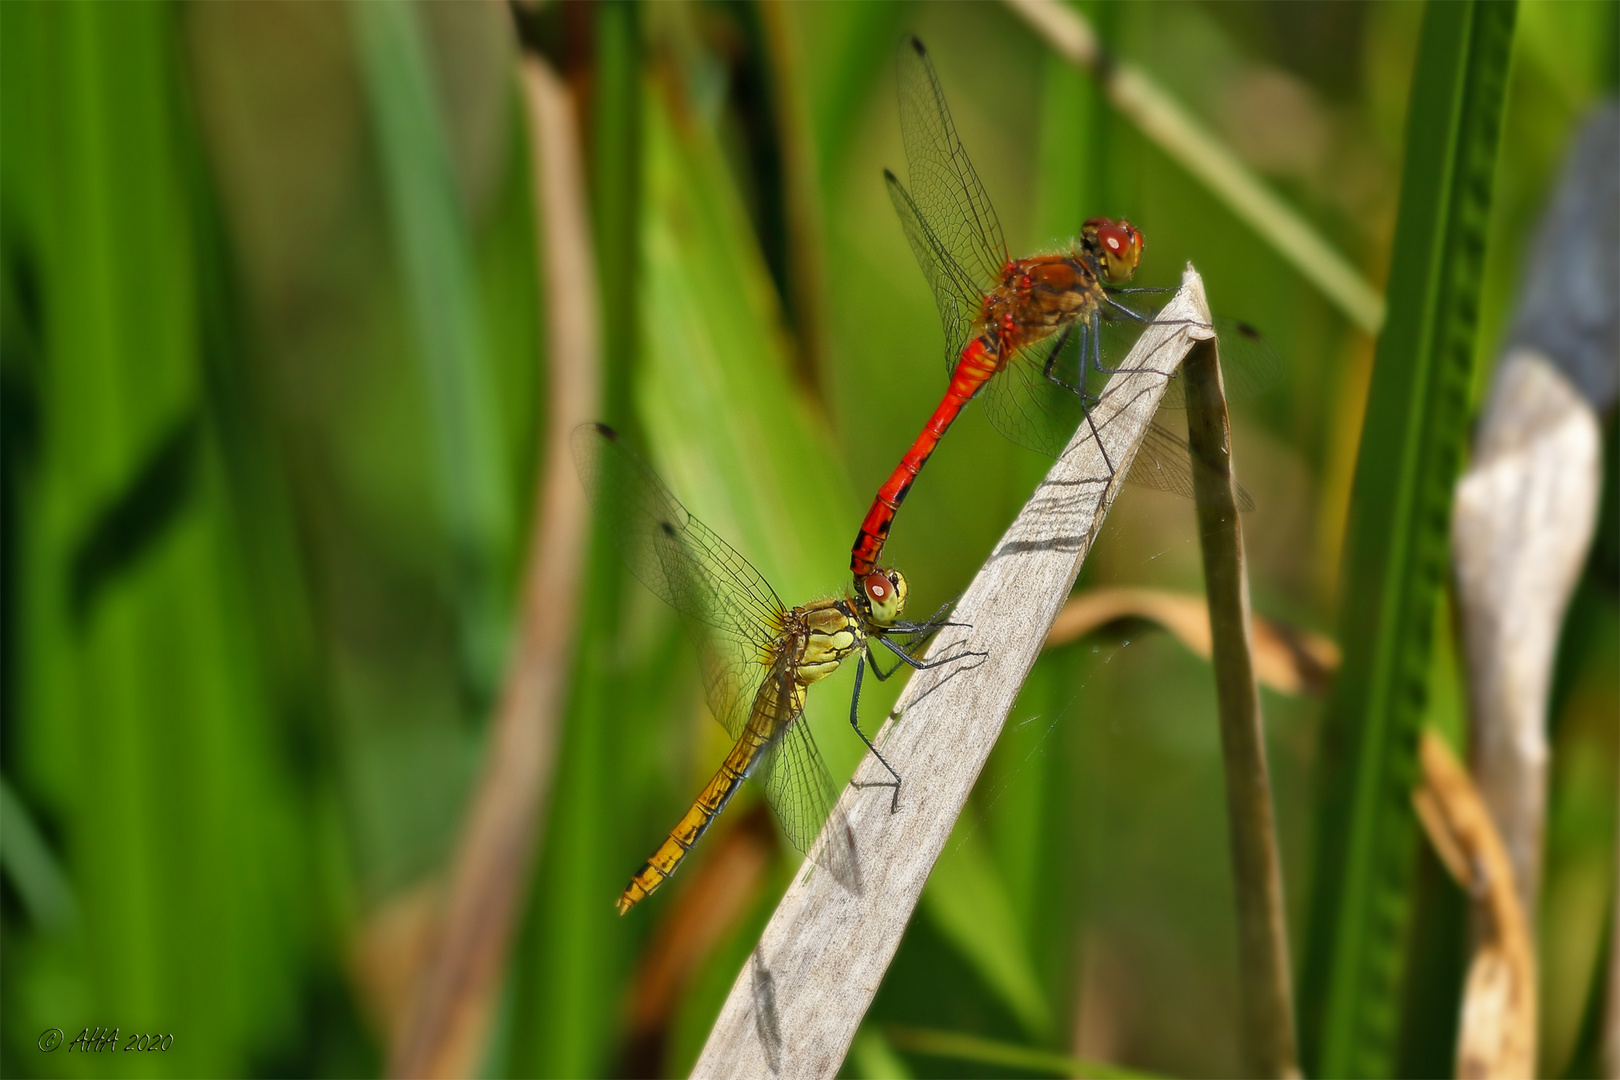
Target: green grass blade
(145, 739)
(968, 902)
(616, 192)
(1396, 562)
(32, 867)
(435, 253)
(577, 948)
(955, 1046)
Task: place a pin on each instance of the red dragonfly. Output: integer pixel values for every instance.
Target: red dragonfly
(1019, 316)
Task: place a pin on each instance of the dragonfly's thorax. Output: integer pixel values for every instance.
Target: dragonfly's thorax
(1041, 295)
(826, 633)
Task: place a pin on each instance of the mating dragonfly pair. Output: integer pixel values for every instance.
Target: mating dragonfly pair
(1052, 323)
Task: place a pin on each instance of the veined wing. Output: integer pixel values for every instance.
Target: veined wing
(731, 610)
(949, 195)
(1027, 407)
(1034, 412)
(956, 294)
(1249, 361)
(1164, 463)
(801, 790)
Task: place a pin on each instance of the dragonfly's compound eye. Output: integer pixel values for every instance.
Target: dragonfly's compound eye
(886, 593)
(1121, 248)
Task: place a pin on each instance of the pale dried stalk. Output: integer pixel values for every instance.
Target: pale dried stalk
(1267, 984)
(1496, 1039)
(1174, 130)
(445, 1032)
(796, 1005)
(1287, 659)
(1522, 521)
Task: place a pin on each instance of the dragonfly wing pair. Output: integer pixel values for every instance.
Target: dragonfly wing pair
(738, 623)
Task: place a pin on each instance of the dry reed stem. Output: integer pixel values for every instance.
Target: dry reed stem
(449, 1021)
(799, 999)
(1522, 522)
(1287, 659)
(1268, 993)
(1497, 1036)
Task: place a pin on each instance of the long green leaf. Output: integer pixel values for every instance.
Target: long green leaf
(569, 985)
(1396, 561)
(431, 232)
(146, 741)
(968, 902)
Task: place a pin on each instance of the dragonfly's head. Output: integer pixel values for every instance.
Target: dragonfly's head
(884, 594)
(1117, 246)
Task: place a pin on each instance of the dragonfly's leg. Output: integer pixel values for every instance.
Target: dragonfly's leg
(932, 625)
(1079, 391)
(1136, 316)
(1095, 434)
(914, 663)
(855, 722)
(1088, 337)
(882, 676)
(1128, 312)
(1078, 387)
(1057, 350)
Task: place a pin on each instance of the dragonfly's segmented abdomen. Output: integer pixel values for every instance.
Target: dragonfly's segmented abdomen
(980, 360)
(744, 757)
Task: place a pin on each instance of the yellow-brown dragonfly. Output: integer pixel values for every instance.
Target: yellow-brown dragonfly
(759, 657)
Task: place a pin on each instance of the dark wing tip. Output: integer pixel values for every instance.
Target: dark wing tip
(605, 431)
(666, 528)
(1248, 330)
(890, 177)
(916, 45)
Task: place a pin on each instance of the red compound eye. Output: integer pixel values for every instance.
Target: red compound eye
(1116, 238)
(877, 588)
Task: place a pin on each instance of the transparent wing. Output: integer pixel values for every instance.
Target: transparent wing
(732, 613)
(1164, 463)
(802, 794)
(949, 196)
(1034, 412)
(1249, 361)
(956, 295)
(1030, 409)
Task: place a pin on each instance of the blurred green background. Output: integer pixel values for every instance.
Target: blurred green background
(274, 382)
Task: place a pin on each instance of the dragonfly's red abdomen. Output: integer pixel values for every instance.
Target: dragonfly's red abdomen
(980, 360)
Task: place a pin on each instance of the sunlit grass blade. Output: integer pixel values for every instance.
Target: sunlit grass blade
(575, 956)
(433, 242)
(148, 749)
(969, 1048)
(968, 902)
(1396, 563)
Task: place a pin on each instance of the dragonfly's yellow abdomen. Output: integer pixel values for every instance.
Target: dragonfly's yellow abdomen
(817, 638)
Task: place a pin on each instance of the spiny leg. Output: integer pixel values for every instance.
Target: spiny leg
(1078, 389)
(1136, 316)
(906, 659)
(855, 722)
